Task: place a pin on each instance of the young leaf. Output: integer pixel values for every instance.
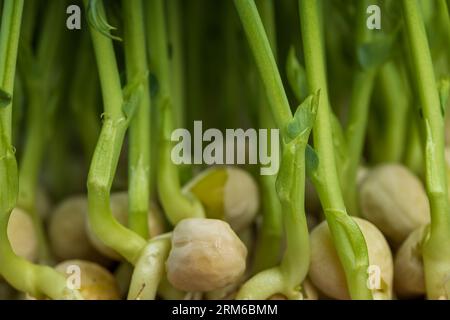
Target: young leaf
(304, 117)
(132, 93)
(97, 19)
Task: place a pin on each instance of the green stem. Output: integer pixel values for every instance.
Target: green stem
(177, 67)
(348, 239)
(414, 155)
(362, 87)
(40, 84)
(106, 155)
(436, 248)
(176, 205)
(24, 276)
(149, 269)
(268, 250)
(262, 286)
(269, 244)
(363, 83)
(139, 162)
(291, 191)
(265, 61)
(84, 98)
(288, 276)
(157, 46)
(395, 99)
(194, 69)
(443, 9)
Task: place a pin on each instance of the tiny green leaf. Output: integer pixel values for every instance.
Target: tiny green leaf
(130, 104)
(132, 93)
(97, 19)
(296, 75)
(304, 117)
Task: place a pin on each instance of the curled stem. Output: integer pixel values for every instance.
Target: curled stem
(292, 271)
(39, 281)
(149, 269)
(104, 162)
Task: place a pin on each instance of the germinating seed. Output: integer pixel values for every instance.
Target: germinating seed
(206, 255)
(90, 279)
(409, 279)
(394, 199)
(326, 272)
(22, 236)
(67, 231)
(228, 193)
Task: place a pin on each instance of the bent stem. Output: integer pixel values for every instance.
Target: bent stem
(149, 269)
(436, 246)
(41, 80)
(177, 205)
(39, 281)
(289, 275)
(104, 162)
(347, 237)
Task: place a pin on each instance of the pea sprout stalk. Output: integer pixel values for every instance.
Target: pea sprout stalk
(40, 281)
(117, 112)
(362, 86)
(40, 81)
(149, 269)
(174, 10)
(348, 239)
(269, 244)
(84, 97)
(289, 275)
(176, 204)
(396, 99)
(139, 167)
(436, 245)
